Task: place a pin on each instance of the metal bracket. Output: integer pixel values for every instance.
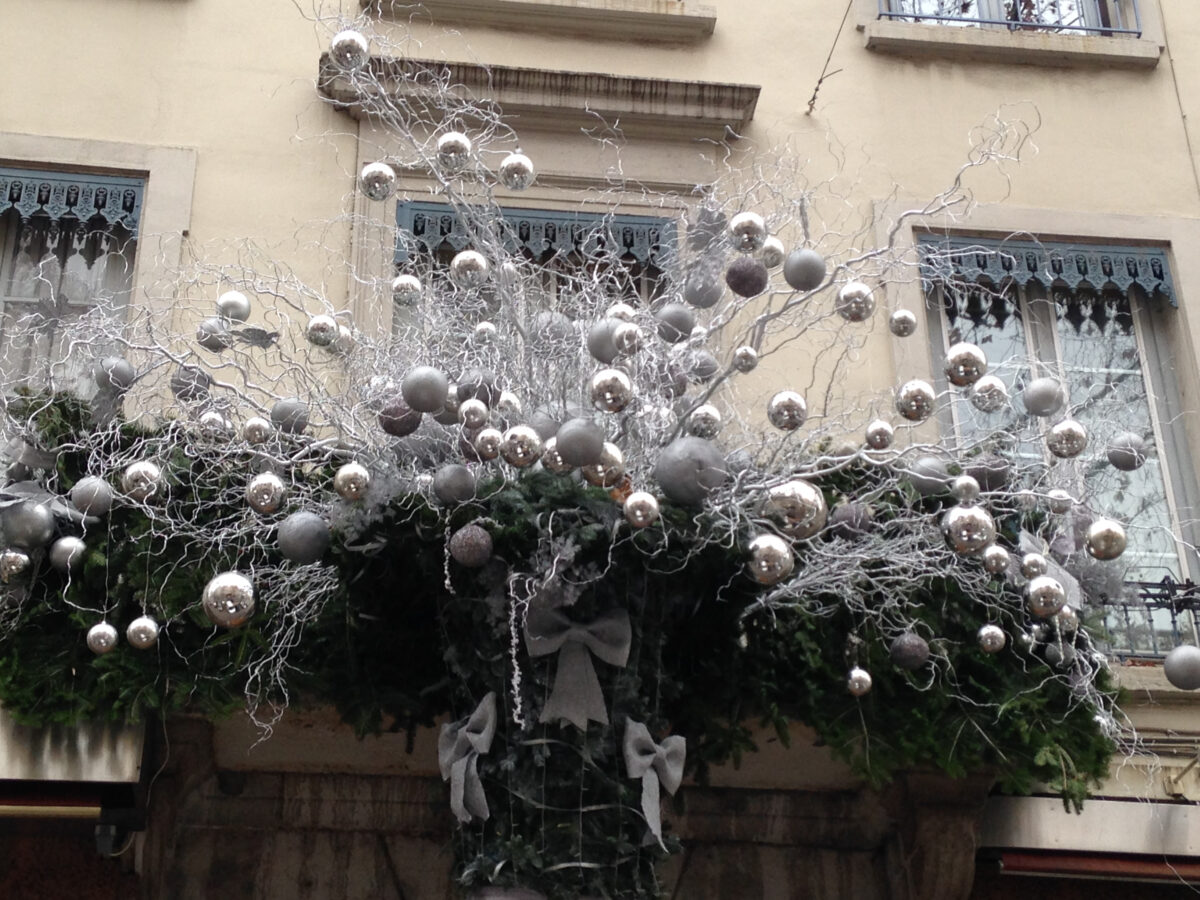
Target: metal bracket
(1172, 783)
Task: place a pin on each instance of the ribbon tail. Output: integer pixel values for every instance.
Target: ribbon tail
(458, 779)
(474, 799)
(651, 809)
(576, 695)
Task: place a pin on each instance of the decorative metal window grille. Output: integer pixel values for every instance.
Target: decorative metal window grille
(1105, 17)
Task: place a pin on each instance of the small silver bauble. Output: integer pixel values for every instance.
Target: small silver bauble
(101, 638)
(771, 559)
(1067, 439)
(141, 480)
(508, 405)
(1025, 500)
(1044, 396)
(622, 311)
(968, 529)
(265, 493)
(1044, 596)
(228, 599)
(991, 638)
(484, 333)
(213, 334)
(424, 389)
(627, 338)
(214, 424)
(257, 430)
(965, 364)
(773, 252)
(552, 461)
(469, 269)
(880, 434)
(1182, 667)
(92, 496)
(858, 682)
(67, 554)
(797, 508)
(487, 443)
(321, 330)
(521, 446)
(965, 489)
(641, 509)
(349, 50)
(609, 471)
(1066, 620)
(290, 415)
(903, 323)
(1061, 655)
(13, 564)
(234, 306)
(915, 400)
(114, 373)
(1033, 565)
(1059, 501)
(675, 322)
(1105, 539)
(610, 390)
(704, 421)
(855, 302)
(345, 340)
(745, 359)
(351, 481)
(787, 410)
(989, 394)
(406, 289)
(909, 651)
(27, 524)
(749, 231)
(1127, 451)
(703, 366)
(804, 269)
(453, 152)
(142, 633)
(377, 180)
(516, 171)
(471, 546)
(473, 413)
(995, 559)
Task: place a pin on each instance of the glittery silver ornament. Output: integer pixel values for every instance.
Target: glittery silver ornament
(609, 471)
(142, 480)
(580, 442)
(1067, 439)
(855, 302)
(453, 152)
(747, 277)
(552, 460)
(909, 651)
(516, 171)
(453, 484)
(1059, 501)
(228, 599)
(351, 481)
(641, 509)
(915, 400)
(880, 434)
(406, 289)
(771, 559)
(748, 231)
(214, 424)
(965, 364)
(1182, 667)
(142, 633)
(903, 323)
(424, 388)
(487, 443)
(991, 638)
(1044, 397)
(745, 359)
(508, 406)
(1127, 451)
(321, 330)
(688, 468)
(989, 394)
(484, 333)
(787, 410)
(399, 419)
(610, 390)
(1044, 596)
(1105, 539)
(471, 546)
(968, 529)
(27, 524)
(265, 493)
(101, 638)
(804, 269)
(704, 421)
(349, 50)
(521, 446)
(290, 415)
(797, 508)
(213, 334)
(303, 537)
(858, 682)
(114, 373)
(473, 413)
(469, 269)
(92, 496)
(13, 564)
(773, 252)
(67, 554)
(377, 180)
(190, 383)
(995, 559)
(627, 338)
(1033, 565)
(1066, 620)
(675, 322)
(257, 430)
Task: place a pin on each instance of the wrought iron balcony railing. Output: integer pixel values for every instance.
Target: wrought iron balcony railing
(1152, 618)
(1102, 17)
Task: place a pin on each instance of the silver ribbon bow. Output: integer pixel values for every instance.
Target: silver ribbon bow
(656, 764)
(575, 694)
(459, 747)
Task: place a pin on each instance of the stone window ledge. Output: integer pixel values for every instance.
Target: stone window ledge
(676, 21)
(1002, 46)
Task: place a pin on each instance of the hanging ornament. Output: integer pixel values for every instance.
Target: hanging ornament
(903, 323)
(377, 180)
(1182, 667)
(13, 564)
(114, 374)
(1067, 439)
(265, 493)
(641, 509)
(521, 446)
(610, 390)
(1033, 565)
(989, 394)
(213, 334)
(469, 269)
(749, 232)
(773, 252)
(929, 475)
(995, 559)
(580, 442)
(290, 415)
(965, 364)
(968, 530)
(424, 389)
(804, 269)
(321, 330)
(745, 359)
(854, 302)
(473, 413)
(1066, 621)
(406, 289)
(702, 288)
(516, 171)
(627, 338)
(858, 682)
(484, 333)
(101, 638)
(142, 633)
(471, 546)
(453, 484)
(552, 460)
(453, 152)
(1127, 452)
(915, 401)
(190, 383)
(1105, 539)
(228, 599)
(787, 410)
(487, 443)
(675, 323)
(349, 50)
(1044, 596)
(609, 470)
(771, 559)
(214, 425)
(351, 481)
(92, 496)
(141, 481)
(703, 366)
(747, 277)
(991, 638)
(965, 489)
(303, 537)
(67, 554)
(1059, 501)
(257, 430)
(234, 306)
(398, 419)
(704, 421)
(797, 508)
(689, 468)
(880, 435)
(851, 520)
(1044, 397)
(909, 651)
(27, 525)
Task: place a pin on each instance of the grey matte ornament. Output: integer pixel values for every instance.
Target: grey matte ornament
(257, 430)
(521, 446)
(991, 472)
(989, 394)
(1067, 439)
(854, 302)
(101, 638)
(771, 559)
(1127, 451)
(13, 564)
(851, 520)
(702, 289)
(609, 471)
(303, 537)
(745, 359)
(114, 373)
(747, 277)
(377, 180)
(321, 331)
(213, 334)
(1060, 655)
(424, 389)
(453, 152)
(704, 421)
(909, 651)
(142, 481)
(351, 481)
(234, 306)
(996, 559)
(968, 529)
(928, 475)
(469, 269)
(516, 171)
(349, 50)
(1044, 596)
(290, 415)
(787, 410)
(610, 390)
(880, 435)
(1044, 397)
(915, 400)
(601, 340)
(675, 323)
(965, 364)
(471, 546)
(142, 633)
(1105, 539)
(773, 252)
(687, 470)
(703, 366)
(406, 289)
(190, 383)
(92, 496)
(707, 227)
(67, 554)
(804, 269)
(398, 419)
(903, 323)
(1033, 565)
(797, 508)
(228, 599)
(453, 484)
(641, 509)
(858, 682)
(266, 493)
(749, 232)
(991, 638)
(579, 442)
(1182, 667)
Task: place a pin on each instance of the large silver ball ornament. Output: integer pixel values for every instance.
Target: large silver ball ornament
(228, 599)
(909, 651)
(469, 269)
(351, 481)
(473, 413)
(349, 50)
(745, 359)
(1059, 501)
(303, 537)
(991, 638)
(1105, 539)
(142, 633)
(1182, 667)
(749, 231)
(552, 460)
(67, 554)
(27, 525)
(855, 302)
(487, 443)
(453, 152)
(453, 484)
(773, 252)
(989, 394)
(579, 442)
(13, 564)
(880, 434)
(903, 323)
(929, 475)
(377, 180)
(747, 277)
(321, 331)
(787, 410)
(406, 289)
(234, 306)
(290, 415)
(610, 390)
(1033, 565)
(965, 364)
(114, 373)
(687, 469)
(516, 171)
(797, 508)
(471, 546)
(915, 400)
(965, 489)
(771, 559)
(1044, 397)
(804, 269)
(641, 509)
(1067, 439)
(424, 389)
(702, 289)
(213, 334)
(257, 430)
(1127, 451)
(675, 323)
(190, 383)
(142, 480)
(995, 559)
(609, 471)
(101, 638)
(704, 421)
(601, 340)
(521, 446)
(968, 529)
(858, 682)
(92, 496)
(266, 493)
(1044, 596)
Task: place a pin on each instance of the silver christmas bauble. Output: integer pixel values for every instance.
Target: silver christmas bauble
(351, 481)
(601, 340)
(67, 554)
(1066, 620)
(13, 564)
(991, 638)
(579, 442)
(552, 460)
(228, 599)
(1044, 397)
(771, 559)
(968, 529)
(1182, 667)
(290, 415)
(469, 269)
(101, 638)
(929, 475)
(484, 333)
(688, 468)
(453, 152)
(675, 322)
(851, 520)
(702, 289)
(406, 289)
(190, 383)
(1033, 565)
(377, 180)
(487, 443)
(745, 359)
(1067, 439)
(265, 493)
(257, 430)
(855, 302)
(349, 50)
(903, 323)
(610, 390)
(965, 489)
(787, 410)
(880, 434)
(622, 311)
(142, 633)
(27, 524)
(804, 269)
(234, 306)
(995, 559)
(627, 338)
(702, 366)
(797, 508)
(303, 537)
(749, 231)
(1126, 451)
(424, 389)
(909, 651)
(747, 277)
(473, 413)
(704, 421)
(609, 471)
(214, 424)
(989, 394)
(965, 364)
(1061, 655)
(915, 400)
(213, 334)
(114, 373)
(471, 546)
(453, 484)
(1105, 539)
(321, 331)
(1059, 501)
(508, 406)
(1044, 596)
(142, 480)
(521, 446)
(92, 496)
(773, 252)
(858, 682)
(641, 509)
(516, 171)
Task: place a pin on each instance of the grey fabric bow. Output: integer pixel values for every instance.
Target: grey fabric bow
(575, 694)
(459, 747)
(655, 764)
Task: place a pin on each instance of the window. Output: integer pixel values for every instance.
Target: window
(67, 245)
(1085, 314)
(1056, 16)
